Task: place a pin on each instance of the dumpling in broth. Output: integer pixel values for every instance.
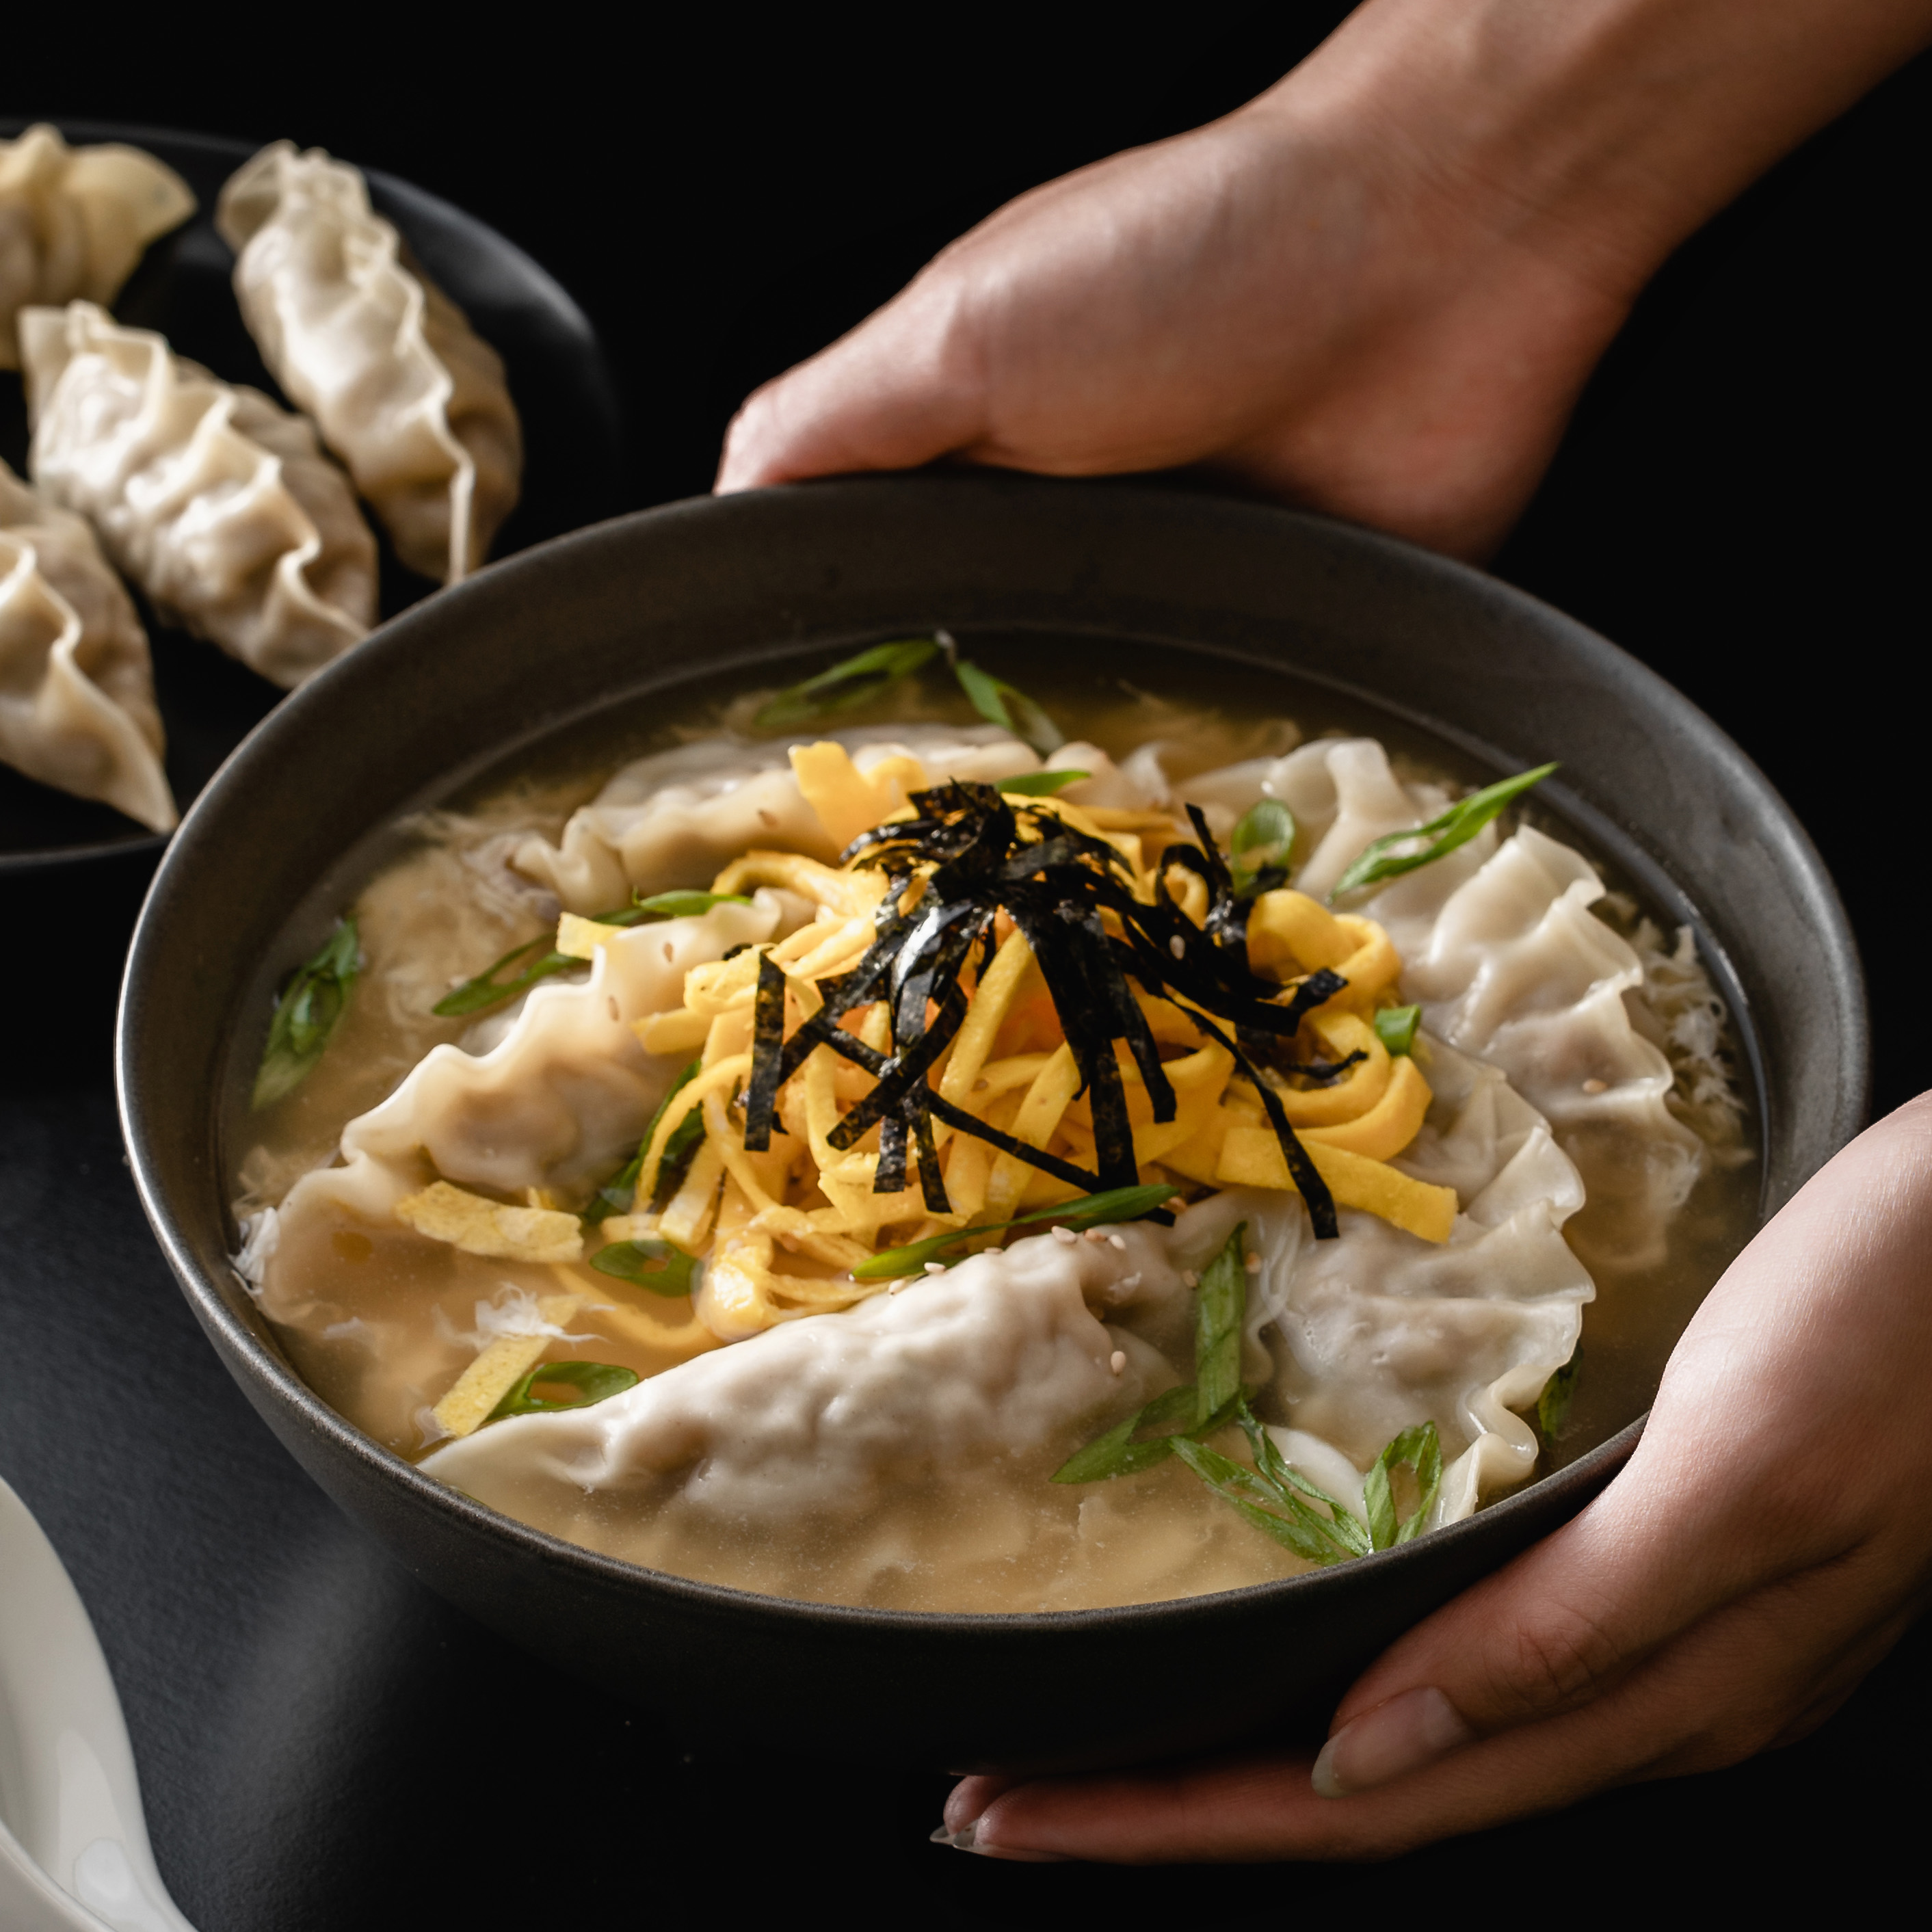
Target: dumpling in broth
(74, 222)
(407, 394)
(77, 684)
(220, 505)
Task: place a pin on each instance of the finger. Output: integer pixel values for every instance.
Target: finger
(1731, 1688)
(904, 388)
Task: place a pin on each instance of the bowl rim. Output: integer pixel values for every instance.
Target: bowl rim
(267, 1375)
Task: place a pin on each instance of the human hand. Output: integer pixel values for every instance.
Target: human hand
(1767, 1544)
(1377, 290)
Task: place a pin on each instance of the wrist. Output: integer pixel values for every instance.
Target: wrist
(1596, 134)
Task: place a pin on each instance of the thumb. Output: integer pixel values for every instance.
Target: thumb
(906, 386)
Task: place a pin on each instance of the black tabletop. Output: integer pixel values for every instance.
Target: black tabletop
(323, 1744)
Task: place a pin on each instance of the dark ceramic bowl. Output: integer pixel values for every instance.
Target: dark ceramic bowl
(1076, 578)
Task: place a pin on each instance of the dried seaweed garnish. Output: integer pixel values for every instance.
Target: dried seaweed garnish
(767, 1036)
(966, 855)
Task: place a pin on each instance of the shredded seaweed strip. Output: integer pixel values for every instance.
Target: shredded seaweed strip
(980, 854)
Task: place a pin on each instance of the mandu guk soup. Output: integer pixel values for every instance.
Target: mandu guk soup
(936, 1165)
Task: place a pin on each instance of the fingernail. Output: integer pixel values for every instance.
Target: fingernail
(1389, 1741)
(967, 1839)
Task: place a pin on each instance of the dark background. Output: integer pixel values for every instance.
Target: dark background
(1741, 501)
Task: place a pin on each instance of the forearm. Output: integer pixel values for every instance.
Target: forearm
(1596, 133)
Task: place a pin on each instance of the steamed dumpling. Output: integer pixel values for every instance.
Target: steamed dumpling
(220, 505)
(678, 818)
(73, 221)
(76, 686)
(407, 394)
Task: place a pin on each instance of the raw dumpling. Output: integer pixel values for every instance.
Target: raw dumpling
(77, 686)
(220, 505)
(74, 220)
(408, 395)
(678, 818)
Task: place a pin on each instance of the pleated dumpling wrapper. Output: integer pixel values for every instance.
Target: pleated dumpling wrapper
(217, 502)
(406, 393)
(74, 222)
(77, 684)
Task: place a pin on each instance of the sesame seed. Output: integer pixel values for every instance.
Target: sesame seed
(935, 1267)
(1177, 947)
(1190, 1279)
(1117, 1360)
(766, 818)
(1097, 1234)
(1066, 1235)
(980, 1085)
(1596, 1086)
(667, 948)
(1117, 1241)
(1252, 1264)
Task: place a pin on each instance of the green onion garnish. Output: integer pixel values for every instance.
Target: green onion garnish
(1272, 1495)
(1456, 826)
(1553, 1405)
(1395, 1027)
(1042, 785)
(856, 681)
(306, 1013)
(647, 1262)
(1001, 703)
(1262, 841)
(593, 1381)
(488, 990)
(1085, 1210)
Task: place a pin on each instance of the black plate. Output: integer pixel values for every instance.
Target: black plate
(642, 611)
(559, 379)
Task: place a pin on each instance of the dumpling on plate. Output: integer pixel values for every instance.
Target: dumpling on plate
(406, 393)
(77, 684)
(217, 502)
(73, 221)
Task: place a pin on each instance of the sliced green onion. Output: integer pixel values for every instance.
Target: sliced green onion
(1553, 1405)
(1087, 1210)
(306, 1014)
(855, 681)
(1395, 1027)
(1001, 703)
(595, 1381)
(1380, 860)
(1117, 1453)
(1042, 785)
(1220, 1316)
(1421, 1449)
(488, 990)
(668, 905)
(647, 1262)
(1262, 841)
